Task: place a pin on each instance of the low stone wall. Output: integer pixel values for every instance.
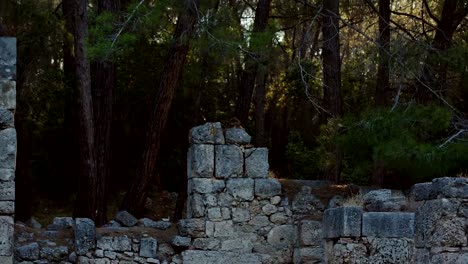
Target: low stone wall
(7, 146)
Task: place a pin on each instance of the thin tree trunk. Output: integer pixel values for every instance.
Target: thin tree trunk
(383, 73)
(249, 73)
(86, 196)
(135, 198)
(260, 93)
(332, 74)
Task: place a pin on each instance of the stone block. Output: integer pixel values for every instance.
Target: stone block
(28, 252)
(203, 185)
(6, 259)
(204, 257)
(241, 188)
(214, 213)
(191, 227)
(7, 174)
(7, 58)
(223, 229)
(305, 203)
(85, 235)
(197, 206)
(207, 243)
(282, 236)
(6, 235)
(383, 201)
(259, 221)
(308, 255)
(229, 161)
(7, 191)
(310, 233)
(391, 250)
(8, 94)
(6, 119)
(7, 207)
(267, 188)
(200, 161)
(342, 222)
(421, 191)
(240, 214)
(60, 223)
(180, 241)
(450, 187)
(209, 133)
(386, 224)
(126, 219)
(237, 135)
(148, 247)
(239, 245)
(8, 149)
(116, 243)
(279, 218)
(225, 199)
(256, 162)
(54, 254)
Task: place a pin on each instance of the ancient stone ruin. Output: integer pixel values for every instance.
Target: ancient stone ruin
(237, 213)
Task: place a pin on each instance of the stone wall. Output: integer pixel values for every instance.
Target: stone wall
(7, 146)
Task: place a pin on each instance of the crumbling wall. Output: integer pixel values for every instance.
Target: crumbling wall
(7, 146)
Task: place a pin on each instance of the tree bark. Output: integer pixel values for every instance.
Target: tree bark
(383, 73)
(135, 198)
(332, 75)
(86, 196)
(249, 73)
(260, 93)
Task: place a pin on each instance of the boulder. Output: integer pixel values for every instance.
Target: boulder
(342, 222)
(28, 252)
(126, 219)
(282, 236)
(200, 161)
(209, 133)
(267, 188)
(450, 187)
(241, 188)
(237, 135)
(85, 235)
(256, 162)
(229, 161)
(191, 227)
(422, 191)
(148, 247)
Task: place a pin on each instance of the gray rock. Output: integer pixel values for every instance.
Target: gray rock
(391, 250)
(214, 213)
(9, 260)
(8, 191)
(223, 228)
(28, 252)
(8, 94)
(383, 201)
(203, 185)
(6, 235)
(240, 214)
(207, 243)
(450, 187)
(7, 58)
(241, 189)
(196, 206)
(229, 161)
(449, 257)
(267, 188)
(191, 227)
(305, 203)
(238, 245)
(342, 222)
(85, 235)
(282, 236)
(256, 162)
(210, 199)
(72, 257)
(225, 199)
(148, 247)
(117, 243)
(7, 153)
(335, 201)
(113, 224)
(7, 174)
(60, 223)
(54, 254)
(310, 233)
(6, 119)
(421, 191)
(7, 207)
(204, 257)
(200, 161)
(237, 135)
(269, 209)
(388, 225)
(279, 218)
(308, 255)
(162, 225)
(259, 221)
(33, 223)
(209, 133)
(180, 241)
(126, 219)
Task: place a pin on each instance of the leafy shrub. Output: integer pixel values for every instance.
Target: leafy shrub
(302, 161)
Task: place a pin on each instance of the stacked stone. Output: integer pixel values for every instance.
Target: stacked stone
(442, 221)
(7, 146)
(232, 204)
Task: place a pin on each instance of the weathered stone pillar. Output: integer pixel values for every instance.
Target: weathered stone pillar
(7, 146)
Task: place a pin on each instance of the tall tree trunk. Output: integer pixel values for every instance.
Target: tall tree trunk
(86, 196)
(260, 93)
(135, 198)
(249, 73)
(103, 84)
(332, 74)
(383, 73)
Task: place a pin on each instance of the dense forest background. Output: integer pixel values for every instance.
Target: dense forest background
(361, 91)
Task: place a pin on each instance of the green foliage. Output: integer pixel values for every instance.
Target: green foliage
(302, 161)
(406, 141)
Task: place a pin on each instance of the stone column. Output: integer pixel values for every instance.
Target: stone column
(7, 146)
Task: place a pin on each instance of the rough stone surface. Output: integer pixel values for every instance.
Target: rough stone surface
(310, 233)
(197, 206)
(7, 58)
(180, 241)
(390, 225)
(200, 161)
(33, 223)
(209, 133)
(204, 257)
(85, 235)
(8, 260)
(235, 135)
(203, 185)
(383, 201)
(266, 188)
(241, 189)
(342, 222)
(450, 187)
(229, 161)
(148, 247)
(7, 174)
(7, 207)
(117, 243)
(206, 243)
(126, 219)
(421, 191)
(54, 254)
(6, 235)
(60, 223)
(162, 225)
(8, 94)
(240, 214)
(191, 227)
(8, 149)
(282, 236)
(256, 162)
(305, 203)
(7, 191)
(6, 119)
(308, 255)
(390, 250)
(28, 252)
(279, 218)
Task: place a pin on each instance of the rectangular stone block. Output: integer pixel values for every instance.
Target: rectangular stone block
(204, 257)
(310, 233)
(7, 191)
(267, 188)
(6, 259)
(7, 174)
(229, 161)
(6, 235)
(256, 162)
(204, 185)
(7, 207)
(447, 187)
(342, 222)
(8, 94)
(209, 133)
(241, 189)
(388, 224)
(200, 161)
(7, 58)
(8, 148)
(422, 191)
